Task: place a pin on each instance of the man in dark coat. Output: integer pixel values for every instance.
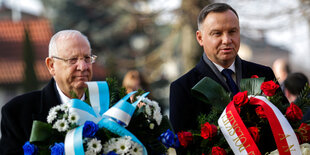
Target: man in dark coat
(219, 35)
(70, 63)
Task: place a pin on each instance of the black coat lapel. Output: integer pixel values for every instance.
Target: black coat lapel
(207, 68)
(49, 99)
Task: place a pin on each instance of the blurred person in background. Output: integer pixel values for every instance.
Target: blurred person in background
(281, 69)
(134, 81)
(70, 64)
(294, 85)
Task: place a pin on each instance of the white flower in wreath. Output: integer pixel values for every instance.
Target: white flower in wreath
(73, 117)
(53, 112)
(51, 117)
(94, 145)
(304, 148)
(152, 106)
(61, 125)
(110, 146)
(123, 145)
(148, 110)
(136, 149)
(55, 109)
(152, 125)
(65, 107)
(158, 117)
(90, 152)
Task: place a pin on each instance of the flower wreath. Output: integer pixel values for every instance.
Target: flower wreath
(251, 123)
(101, 125)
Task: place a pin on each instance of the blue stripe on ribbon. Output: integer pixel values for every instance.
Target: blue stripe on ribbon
(78, 104)
(78, 141)
(119, 130)
(128, 95)
(104, 96)
(125, 106)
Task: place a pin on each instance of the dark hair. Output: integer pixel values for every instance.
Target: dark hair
(295, 83)
(214, 7)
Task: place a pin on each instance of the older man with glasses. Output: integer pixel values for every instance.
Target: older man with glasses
(70, 63)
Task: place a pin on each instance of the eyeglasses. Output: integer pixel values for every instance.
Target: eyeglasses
(71, 61)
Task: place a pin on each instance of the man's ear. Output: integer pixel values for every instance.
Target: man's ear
(199, 37)
(49, 62)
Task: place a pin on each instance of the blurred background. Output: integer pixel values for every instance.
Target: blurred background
(154, 37)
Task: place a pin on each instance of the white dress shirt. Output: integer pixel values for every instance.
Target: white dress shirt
(232, 67)
(64, 98)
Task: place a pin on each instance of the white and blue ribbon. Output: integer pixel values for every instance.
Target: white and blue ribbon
(74, 141)
(99, 96)
(99, 100)
(120, 130)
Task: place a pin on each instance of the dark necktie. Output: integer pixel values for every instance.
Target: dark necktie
(229, 80)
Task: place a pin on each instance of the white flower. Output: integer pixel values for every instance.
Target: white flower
(148, 110)
(94, 145)
(153, 110)
(145, 100)
(90, 152)
(110, 146)
(55, 109)
(157, 116)
(304, 148)
(52, 114)
(123, 145)
(152, 125)
(61, 125)
(275, 152)
(171, 151)
(136, 149)
(73, 117)
(51, 117)
(64, 107)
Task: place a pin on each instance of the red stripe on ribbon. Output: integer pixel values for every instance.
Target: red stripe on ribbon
(241, 130)
(275, 125)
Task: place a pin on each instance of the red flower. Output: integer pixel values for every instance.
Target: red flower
(241, 98)
(185, 138)
(299, 137)
(238, 109)
(254, 133)
(208, 130)
(304, 132)
(293, 112)
(260, 112)
(254, 76)
(218, 151)
(269, 88)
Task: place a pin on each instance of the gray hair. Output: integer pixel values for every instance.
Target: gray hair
(63, 35)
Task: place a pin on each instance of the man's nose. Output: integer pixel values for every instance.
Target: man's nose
(226, 39)
(82, 65)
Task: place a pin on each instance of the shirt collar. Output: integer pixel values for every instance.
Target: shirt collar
(220, 68)
(63, 97)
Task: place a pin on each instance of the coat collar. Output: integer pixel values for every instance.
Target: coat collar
(207, 68)
(49, 99)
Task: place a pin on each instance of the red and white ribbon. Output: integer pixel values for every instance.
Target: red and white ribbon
(239, 138)
(236, 133)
